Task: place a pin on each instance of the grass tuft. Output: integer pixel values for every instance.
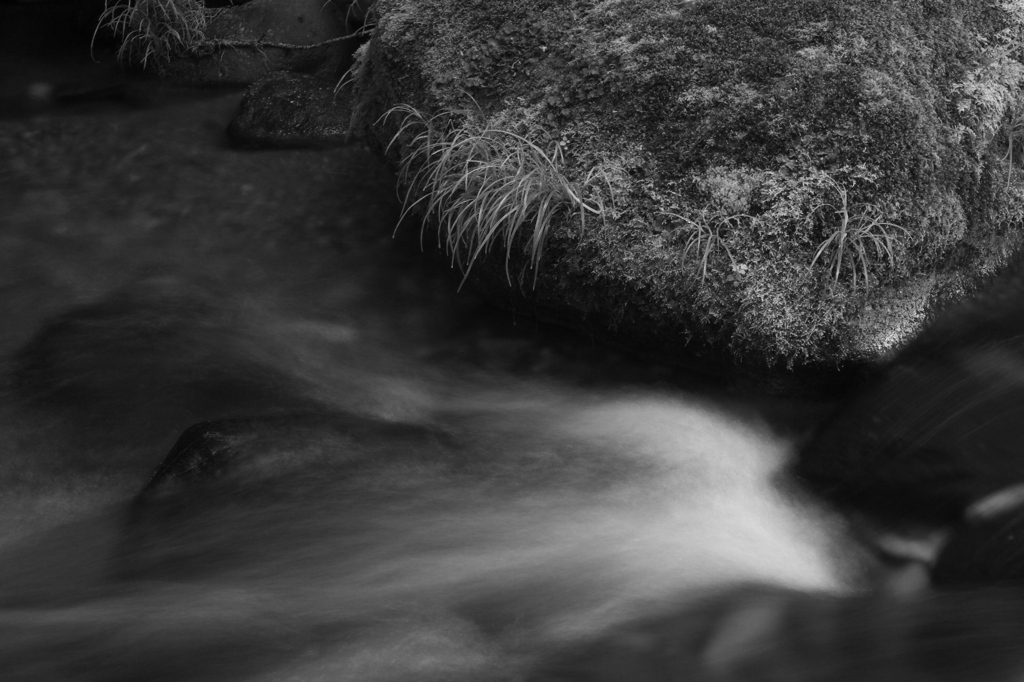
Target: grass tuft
(851, 243)
(1014, 131)
(705, 235)
(486, 186)
(156, 30)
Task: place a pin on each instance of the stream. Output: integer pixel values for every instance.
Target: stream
(252, 432)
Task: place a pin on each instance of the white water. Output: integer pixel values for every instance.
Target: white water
(520, 513)
(566, 513)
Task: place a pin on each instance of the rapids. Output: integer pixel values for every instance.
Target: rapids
(245, 434)
(415, 486)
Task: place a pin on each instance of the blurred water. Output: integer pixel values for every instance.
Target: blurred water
(465, 550)
(400, 554)
(416, 488)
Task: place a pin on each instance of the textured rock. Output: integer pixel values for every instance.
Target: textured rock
(291, 110)
(244, 43)
(727, 138)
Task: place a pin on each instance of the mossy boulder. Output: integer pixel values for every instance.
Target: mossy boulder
(780, 184)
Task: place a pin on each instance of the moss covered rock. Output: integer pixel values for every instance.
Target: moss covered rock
(787, 184)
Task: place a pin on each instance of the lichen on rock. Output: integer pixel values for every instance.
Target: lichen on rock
(776, 172)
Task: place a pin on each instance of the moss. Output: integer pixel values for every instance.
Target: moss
(741, 107)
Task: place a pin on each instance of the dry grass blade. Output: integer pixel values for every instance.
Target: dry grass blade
(1014, 131)
(484, 186)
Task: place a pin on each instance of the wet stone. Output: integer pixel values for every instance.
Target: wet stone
(248, 451)
(251, 40)
(229, 488)
(284, 110)
(983, 553)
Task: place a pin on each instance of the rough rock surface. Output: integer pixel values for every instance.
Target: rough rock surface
(291, 110)
(243, 40)
(734, 143)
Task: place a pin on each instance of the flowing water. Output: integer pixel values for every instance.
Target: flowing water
(389, 481)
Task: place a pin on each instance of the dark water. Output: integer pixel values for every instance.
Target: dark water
(391, 481)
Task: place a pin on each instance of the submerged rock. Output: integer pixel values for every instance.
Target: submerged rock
(791, 185)
(141, 363)
(145, 361)
(984, 553)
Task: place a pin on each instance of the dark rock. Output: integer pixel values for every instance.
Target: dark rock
(249, 476)
(250, 451)
(989, 552)
(988, 548)
(145, 361)
(200, 452)
(246, 42)
(940, 426)
(291, 110)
